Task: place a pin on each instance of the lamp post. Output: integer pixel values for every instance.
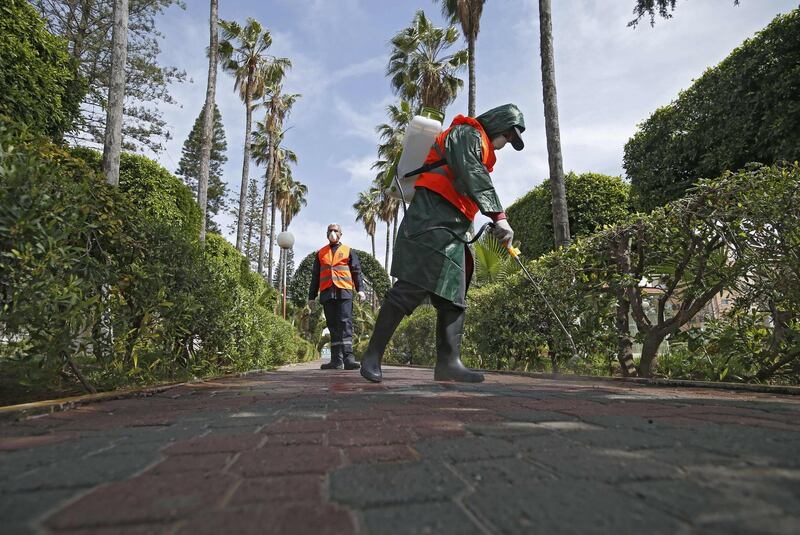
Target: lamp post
(285, 242)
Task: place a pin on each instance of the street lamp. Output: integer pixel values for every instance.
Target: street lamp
(285, 242)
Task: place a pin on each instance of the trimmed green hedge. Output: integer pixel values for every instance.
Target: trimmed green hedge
(593, 200)
(746, 109)
(38, 86)
(114, 281)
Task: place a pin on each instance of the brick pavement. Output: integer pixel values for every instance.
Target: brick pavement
(311, 452)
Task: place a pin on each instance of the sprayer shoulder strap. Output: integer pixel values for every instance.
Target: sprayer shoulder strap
(425, 168)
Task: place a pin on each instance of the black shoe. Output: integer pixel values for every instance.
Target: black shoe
(350, 363)
(335, 364)
(449, 330)
(389, 318)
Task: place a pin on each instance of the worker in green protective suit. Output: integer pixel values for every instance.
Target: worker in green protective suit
(431, 258)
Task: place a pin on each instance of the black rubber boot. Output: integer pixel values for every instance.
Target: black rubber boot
(449, 329)
(336, 362)
(389, 318)
(350, 362)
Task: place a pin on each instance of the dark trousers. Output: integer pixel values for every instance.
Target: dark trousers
(339, 317)
(407, 297)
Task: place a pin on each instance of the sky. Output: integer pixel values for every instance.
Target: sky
(609, 78)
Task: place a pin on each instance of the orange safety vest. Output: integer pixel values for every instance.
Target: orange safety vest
(442, 179)
(335, 271)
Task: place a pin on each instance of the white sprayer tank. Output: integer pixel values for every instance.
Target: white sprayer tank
(420, 134)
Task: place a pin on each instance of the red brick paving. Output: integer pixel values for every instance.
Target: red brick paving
(274, 453)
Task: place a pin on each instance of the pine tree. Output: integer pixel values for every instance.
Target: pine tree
(189, 166)
(252, 223)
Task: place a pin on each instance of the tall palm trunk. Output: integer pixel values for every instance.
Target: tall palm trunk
(471, 69)
(265, 204)
(271, 226)
(561, 233)
(372, 237)
(386, 260)
(208, 119)
(394, 233)
(246, 162)
(112, 145)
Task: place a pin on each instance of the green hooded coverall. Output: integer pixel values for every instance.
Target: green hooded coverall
(431, 262)
(435, 260)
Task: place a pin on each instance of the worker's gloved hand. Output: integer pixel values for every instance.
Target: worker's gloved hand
(503, 232)
(311, 303)
(361, 296)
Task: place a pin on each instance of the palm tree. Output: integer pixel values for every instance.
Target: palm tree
(561, 233)
(282, 157)
(112, 145)
(492, 261)
(208, 118)
(388, 153)
(290, 197)
(387, 212)
(266, 137)
(278, 107)
(420, 69)
(468, 13)
(248, 62)
(366, 208)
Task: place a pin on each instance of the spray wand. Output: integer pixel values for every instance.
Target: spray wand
(514, 252)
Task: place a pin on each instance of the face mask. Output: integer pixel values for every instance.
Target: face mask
(333, 236)
(499, 142)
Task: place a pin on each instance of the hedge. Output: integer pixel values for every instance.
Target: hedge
(746, 109)
(112, 281)
(593, 201)
(38, 85)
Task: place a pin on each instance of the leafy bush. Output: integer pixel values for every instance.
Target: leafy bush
(746, 109)
(112, 281)
(38, 87)
(152, 189)
(738, 234)
(415, 339)
(593, 200)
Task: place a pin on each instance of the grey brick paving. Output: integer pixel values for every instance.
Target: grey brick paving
(307, 451)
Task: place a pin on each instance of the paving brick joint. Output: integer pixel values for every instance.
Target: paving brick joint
(304, 451)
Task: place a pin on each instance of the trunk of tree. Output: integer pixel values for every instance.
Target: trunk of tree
(265, 205)
(245, 166)
(471, 68)
(561, 233)
(372, 238)
(386, 260)
(271, 227)
(551, 352)
(621, 320)
(112, 146)
(624, 340)
(208, 120)
(394, 234)
(77, 371)
(652, 341)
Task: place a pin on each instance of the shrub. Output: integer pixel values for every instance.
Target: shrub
(593, 201)
(152, 189)
(94, 278)
(38, 87)
(746, 109)
(415, 339)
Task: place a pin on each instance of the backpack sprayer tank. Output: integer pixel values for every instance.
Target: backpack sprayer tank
(420, 134)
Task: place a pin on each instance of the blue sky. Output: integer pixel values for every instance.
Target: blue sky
(609, 79)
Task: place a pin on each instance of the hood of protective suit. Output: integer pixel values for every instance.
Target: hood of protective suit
(499, 119)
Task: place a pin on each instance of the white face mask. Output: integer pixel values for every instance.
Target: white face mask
(333, 236)
(499, 142)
